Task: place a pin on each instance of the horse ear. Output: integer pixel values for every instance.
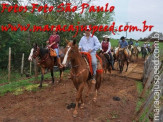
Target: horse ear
(74, 41)
(35, 45)
(67, 41)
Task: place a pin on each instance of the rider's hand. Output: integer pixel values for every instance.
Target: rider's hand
(90, 51)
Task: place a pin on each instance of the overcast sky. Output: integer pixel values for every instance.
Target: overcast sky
(135, 12)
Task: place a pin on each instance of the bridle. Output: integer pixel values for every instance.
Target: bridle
(75, 75)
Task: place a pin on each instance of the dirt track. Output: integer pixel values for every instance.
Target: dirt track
(50, 104)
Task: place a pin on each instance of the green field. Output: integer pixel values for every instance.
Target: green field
(19, 84)
(114, 43)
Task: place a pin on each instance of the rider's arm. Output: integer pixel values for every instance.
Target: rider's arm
(80, 44)
(101, 46)
(109, 47)
(57, 39)
(97, 44)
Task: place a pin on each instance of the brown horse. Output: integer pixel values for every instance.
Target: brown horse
(122, 58)
(134, 53)
(105, 62)
(45, 61)
(80, 73)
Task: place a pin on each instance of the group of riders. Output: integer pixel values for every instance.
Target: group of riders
(91, 44)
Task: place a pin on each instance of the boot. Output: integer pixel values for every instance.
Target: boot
(93, 80)
(59, 63)
(112, 65)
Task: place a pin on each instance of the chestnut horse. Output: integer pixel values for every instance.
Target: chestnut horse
(134, 53)
(80, 73)
(122, 58)
(45, 61)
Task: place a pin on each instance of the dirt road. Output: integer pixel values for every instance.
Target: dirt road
(50, 104)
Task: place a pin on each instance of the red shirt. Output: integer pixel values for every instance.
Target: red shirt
(105, 46)
(56, 39)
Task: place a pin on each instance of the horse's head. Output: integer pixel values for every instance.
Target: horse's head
(31, 55)
(36, 51)
(71, 51)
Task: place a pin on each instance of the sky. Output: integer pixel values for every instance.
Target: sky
(135, 12)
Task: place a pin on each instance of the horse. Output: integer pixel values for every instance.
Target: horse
(105, 62)
(144, 52)
(45, 61)
(134, 52)
(80, 73)
(121, 59)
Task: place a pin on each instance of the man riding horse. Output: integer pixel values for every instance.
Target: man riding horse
(90, 44)
(137, 46)
(123, 44)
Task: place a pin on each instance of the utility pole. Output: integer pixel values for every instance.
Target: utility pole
(126, 31)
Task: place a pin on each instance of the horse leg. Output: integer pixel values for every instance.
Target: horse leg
(89, 88)
(42, 76)
(52, 75)
(97, 85)
(78, 98)
(81, 97)
(127, 66)
(61, 74)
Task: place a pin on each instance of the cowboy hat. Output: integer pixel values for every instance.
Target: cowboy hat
(54, 29)
(106, 36)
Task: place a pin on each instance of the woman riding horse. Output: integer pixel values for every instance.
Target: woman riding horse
(53, 42)
(106, 49)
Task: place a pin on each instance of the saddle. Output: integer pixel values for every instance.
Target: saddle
(88, 60)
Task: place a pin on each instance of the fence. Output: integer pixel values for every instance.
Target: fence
(148, 83)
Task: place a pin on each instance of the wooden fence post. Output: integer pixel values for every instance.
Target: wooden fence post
(9, 64)
(30, 68)
(36, 69)
(22, 65)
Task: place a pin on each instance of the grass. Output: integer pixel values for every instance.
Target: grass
(20, 84)
(139, 90)
(114, 43)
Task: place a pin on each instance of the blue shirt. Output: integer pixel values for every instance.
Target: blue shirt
(130, 42)
(123, 44)
(136, 44)
(92, 43)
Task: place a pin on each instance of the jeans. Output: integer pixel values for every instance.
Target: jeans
(94, 63)
(57, 52)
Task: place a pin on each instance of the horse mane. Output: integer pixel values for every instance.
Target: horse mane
(43, 51)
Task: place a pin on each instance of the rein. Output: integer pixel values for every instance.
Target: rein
(44, 59)
(76, 75)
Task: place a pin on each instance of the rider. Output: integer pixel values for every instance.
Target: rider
(106, 48)
(53, 43)
(130, 42)
(137, 45)
(90, 43)
(145, 46)
(124, 44)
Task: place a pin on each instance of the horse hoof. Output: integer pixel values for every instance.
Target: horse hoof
(75, 114)
(40, 86)
(94, 99)
(82, 106)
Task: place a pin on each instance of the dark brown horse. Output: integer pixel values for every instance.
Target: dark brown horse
(45, 61)
(105, 62)
(80, 73)
(122, 58)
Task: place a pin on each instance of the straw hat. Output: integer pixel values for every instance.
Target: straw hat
(54, 29)
(106, 36)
